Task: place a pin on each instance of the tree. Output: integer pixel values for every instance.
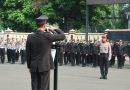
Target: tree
(18, 15)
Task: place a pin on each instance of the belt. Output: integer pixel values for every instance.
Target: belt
(104, 53)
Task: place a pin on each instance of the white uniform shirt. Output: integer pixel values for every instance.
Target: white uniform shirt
(13, 45)
(23, 46)
(106, 48)
(2, 44)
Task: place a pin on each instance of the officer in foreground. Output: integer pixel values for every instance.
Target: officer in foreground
(105, 56)
(38, 49)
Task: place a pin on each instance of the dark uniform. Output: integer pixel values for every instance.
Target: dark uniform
(67, 53)
(96, 51)
(84, 54)
(120, 51)
(73, 53)
(78, 55)
(112, 61)
(90, 54)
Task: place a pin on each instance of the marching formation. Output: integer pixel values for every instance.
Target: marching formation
(13, 48)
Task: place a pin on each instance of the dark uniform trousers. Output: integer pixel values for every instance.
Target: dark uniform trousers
(65, 58)
(95, 60)
(9, 55)
(13, 56)
(17, 55)
(120, 60)
(72, 58)
(23, 56)
(40, 80)
(2, 55)
(104, 64)
(84, 60)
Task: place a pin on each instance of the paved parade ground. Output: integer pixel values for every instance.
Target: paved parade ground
(16, 77)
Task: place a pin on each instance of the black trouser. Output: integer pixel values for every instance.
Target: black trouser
(17, 55)
(23, 56)
(61, 56)
(2, 55)
(84, 59)
(90, 59)
(112, 61)
(104, 64)
(72, 58)
(78, 58)
(40, 80)
(65, 58)
(120, 60)
(13, 56)
(68, 57)
(9, 55)
(95, 60)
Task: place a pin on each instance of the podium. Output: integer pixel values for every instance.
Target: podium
(53, 52)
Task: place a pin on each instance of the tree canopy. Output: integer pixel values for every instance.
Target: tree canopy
(19, 15)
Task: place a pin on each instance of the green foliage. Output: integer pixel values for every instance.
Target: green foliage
(19, 15)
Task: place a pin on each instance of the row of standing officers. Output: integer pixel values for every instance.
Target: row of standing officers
(13, 48)
(87, 53)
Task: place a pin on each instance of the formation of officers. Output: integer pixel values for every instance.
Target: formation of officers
(14, 49)
(87, 53)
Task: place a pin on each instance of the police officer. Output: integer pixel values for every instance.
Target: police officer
(120, 52)
(112, 61)
(17, 49)
(13, 51)
(67, 52)
(96, 54)
(8, 44)
(90, 54)
(78, 52)
(73, 52)
(23, 51)
(84, 53)
(105, 56)
(2, 50)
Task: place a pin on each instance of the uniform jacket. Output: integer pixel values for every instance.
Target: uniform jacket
(38, 49)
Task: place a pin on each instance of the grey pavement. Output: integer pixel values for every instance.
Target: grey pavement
(17, 77)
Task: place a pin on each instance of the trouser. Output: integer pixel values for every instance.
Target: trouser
(9, 55)
(40, 80)
(2, 55)
(90, 59)
(13, 56)
(78, 58)
(65, 58)
(112, 61)
(95, 60)
(23, 56)
(17, 55)
(72, 58)
(84, 59)
(104, 64)
(68, 57)
(61, 56)
(120, 60)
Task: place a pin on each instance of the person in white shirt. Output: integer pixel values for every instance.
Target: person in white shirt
(2, 50)
(23, 51)
(105, 56)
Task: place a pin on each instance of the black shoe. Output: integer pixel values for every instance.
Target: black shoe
(101, 77)
(105, 77)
